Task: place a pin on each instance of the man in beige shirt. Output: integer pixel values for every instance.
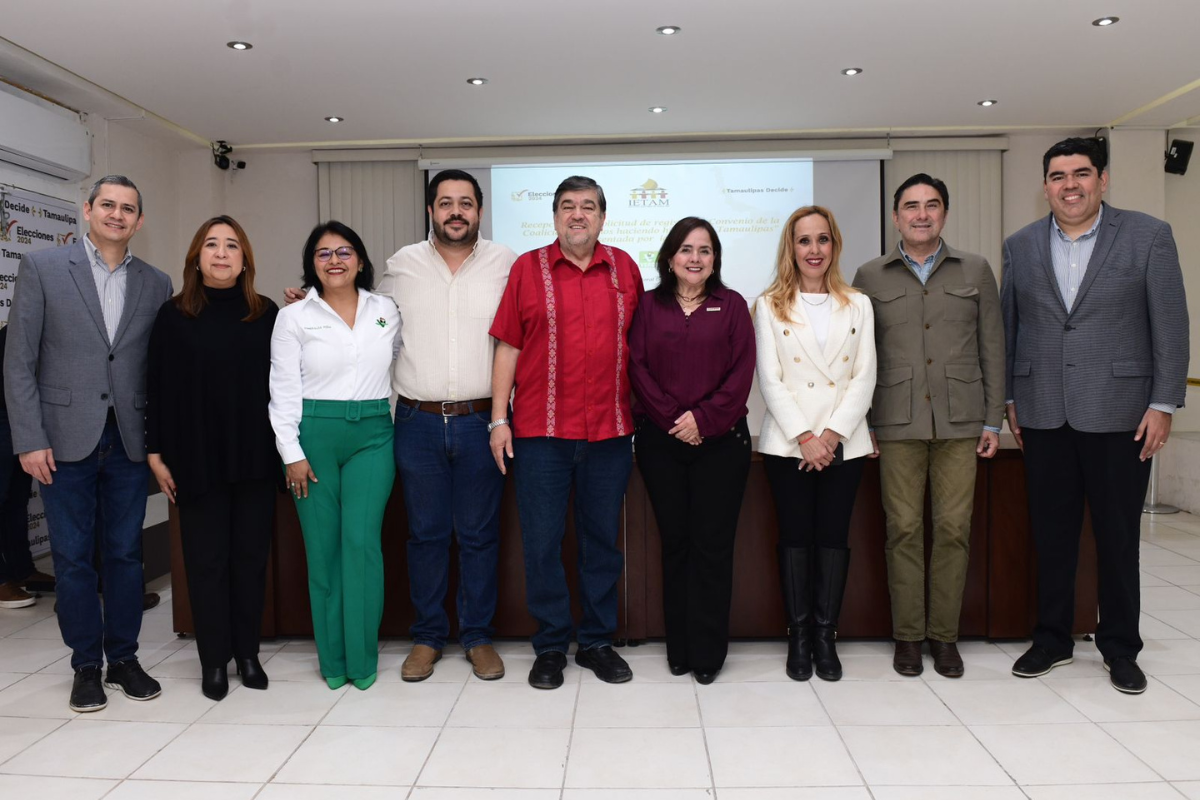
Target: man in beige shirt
(447, 289)
(938, 406)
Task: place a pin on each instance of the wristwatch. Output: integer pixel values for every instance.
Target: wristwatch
(496, 423)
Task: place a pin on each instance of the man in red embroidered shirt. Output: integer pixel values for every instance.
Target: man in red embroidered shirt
(562, 328)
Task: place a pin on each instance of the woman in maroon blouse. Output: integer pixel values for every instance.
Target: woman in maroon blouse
(691, 364)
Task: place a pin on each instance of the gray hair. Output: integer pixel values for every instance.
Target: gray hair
(580, 183)
(115, 180)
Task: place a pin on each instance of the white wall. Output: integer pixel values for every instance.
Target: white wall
(1182, 212)
(275, 200)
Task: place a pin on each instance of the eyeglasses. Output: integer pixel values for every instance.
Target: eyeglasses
(343, 253)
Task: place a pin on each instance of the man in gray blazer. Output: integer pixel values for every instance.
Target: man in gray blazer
(937, 409)
(1096, 328)
(75, 382)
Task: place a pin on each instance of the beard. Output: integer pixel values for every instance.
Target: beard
(445, 236)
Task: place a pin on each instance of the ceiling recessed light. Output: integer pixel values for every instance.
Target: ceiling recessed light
(239, 45)
(1104, 22)
(668, 30)
(335, 119)
(657, 109)
(852, 71)
(477, 81)
(987, 103)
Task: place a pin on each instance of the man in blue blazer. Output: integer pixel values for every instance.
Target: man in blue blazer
(1096, 329)
(75, 382)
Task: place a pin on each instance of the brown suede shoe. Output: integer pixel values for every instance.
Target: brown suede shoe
(907, 660)
(486, 661)
(946, 660)
(13, 596)
(419, 664)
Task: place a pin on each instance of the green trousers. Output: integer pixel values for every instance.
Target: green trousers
(950, 467)
(349, 448)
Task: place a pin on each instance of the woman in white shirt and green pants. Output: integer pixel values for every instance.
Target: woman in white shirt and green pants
(331, 356)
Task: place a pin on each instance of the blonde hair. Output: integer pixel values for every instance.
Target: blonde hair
(781, 294)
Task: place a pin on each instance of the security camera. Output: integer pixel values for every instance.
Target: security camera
(221, 150)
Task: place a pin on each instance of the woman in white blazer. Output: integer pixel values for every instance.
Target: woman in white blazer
(816, 369)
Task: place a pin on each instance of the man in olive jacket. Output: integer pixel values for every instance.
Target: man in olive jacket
(939, 402)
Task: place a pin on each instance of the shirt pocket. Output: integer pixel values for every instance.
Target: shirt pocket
(962, 303)
(891, 306)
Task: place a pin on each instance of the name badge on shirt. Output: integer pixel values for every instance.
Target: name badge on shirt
(713, 308)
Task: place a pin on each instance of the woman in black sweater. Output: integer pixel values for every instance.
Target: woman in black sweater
(211, 446)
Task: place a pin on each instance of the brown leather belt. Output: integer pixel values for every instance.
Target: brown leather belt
(448, 408)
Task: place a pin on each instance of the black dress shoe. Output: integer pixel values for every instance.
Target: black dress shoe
(677, 669)
(604, 661)
(1126, 675)
(87, 694)
(214, 682)
(907, 660)
(253, 675)
(1037, 661)
(132, 680)
(149, 601)
(705, 678)
(946, 660)
(547, 672)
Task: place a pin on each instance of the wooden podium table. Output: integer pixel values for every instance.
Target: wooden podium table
(998, 602)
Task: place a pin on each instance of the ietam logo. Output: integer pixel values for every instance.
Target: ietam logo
(648, 195)
(66, 238)
(6, 231)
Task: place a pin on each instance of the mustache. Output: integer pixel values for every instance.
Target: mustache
(456, 218)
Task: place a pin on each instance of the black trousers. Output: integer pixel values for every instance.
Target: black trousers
(813, 508)
(16, 562)
(696, 492)
(1063, 467)
(226, 535)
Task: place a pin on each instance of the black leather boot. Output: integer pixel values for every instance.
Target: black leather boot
(214, 682)
(831, 569)
(795, 571)
(253, 676)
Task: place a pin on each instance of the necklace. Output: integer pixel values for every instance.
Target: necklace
(806, 302)
(697, 299)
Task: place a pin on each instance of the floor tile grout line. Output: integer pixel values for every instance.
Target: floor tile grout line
(1165, 687)
(562, 789)
(1121, 744)
(437, 739)
(967, 728)
(35, 741)
(838, 729)
(712, 773)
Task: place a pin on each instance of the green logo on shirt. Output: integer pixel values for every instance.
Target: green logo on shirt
(381, 322)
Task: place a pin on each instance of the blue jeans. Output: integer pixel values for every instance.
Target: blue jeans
(108, 488)
(451, 485)
(545, 470)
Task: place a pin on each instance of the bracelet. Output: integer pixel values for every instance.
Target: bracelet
(811, 436)
(496, 423)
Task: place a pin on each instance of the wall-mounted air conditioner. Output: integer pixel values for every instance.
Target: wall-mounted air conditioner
(42, 140)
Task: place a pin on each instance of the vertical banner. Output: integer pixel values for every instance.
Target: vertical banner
(28, 222)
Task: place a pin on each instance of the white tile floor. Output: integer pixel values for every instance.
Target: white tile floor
(752, 735)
